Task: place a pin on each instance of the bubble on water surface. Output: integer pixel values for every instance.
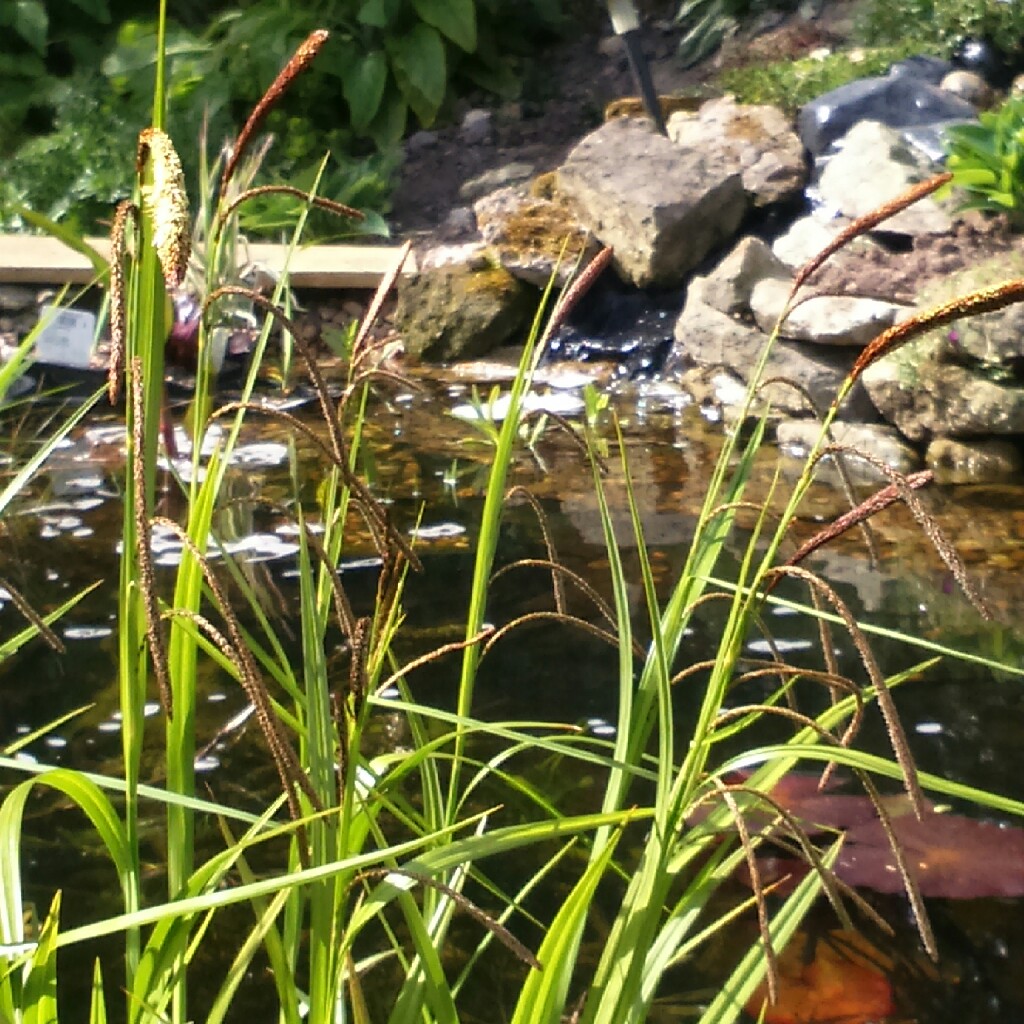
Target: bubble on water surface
(438, 531)
(86, 632)
(265, 453)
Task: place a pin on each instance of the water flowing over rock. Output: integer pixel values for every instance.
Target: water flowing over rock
(898, 100)
(662, 209)
(757, 141)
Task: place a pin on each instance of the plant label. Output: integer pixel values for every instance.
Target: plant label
(65, 337)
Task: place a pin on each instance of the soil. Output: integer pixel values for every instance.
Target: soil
(565, 90)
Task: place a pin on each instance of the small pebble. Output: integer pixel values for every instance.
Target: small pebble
(477, 127)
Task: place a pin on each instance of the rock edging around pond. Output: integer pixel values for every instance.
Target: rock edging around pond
(672, 209)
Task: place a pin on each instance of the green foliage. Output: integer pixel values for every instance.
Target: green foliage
(708, 23)
(987, 159)
(387, 62)
(789, 84)
(937, 24)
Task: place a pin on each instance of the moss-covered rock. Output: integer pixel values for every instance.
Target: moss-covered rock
(462, 312)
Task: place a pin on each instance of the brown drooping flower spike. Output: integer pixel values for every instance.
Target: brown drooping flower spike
(165, 201)
(300, 60)
(118, 298)
(986, 300)
(862, 225)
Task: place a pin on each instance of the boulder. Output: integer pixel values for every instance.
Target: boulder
(897, 100)
(662, 209)
(927, 396)
(756, 141)
(822, 319)
(534, 237)
(994, 339)
(705, 337)
(461, 311)
(729, 286)
(974, 462)
(873, 165)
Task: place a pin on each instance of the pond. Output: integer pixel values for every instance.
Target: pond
(965, 719)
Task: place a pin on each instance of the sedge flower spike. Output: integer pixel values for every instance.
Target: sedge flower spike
(165, 202)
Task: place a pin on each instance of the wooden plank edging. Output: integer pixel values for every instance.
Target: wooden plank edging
(40, 259)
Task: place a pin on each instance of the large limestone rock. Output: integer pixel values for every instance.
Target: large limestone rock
(921, 392)
(756, 141)
(994, 339)
(533, 236)
(873, 165)
(662, 209)
(461, 311)
(729, 286)
(823, 319)
(897, 100)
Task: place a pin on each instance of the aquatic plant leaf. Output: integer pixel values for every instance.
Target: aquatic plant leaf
(950, 856)
(838, 979)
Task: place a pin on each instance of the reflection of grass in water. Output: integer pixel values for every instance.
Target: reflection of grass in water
(436, 845)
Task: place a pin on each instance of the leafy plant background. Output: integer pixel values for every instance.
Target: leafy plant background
(80, 74)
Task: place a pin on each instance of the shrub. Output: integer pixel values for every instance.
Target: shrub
(985, 159)
(789, 84)
(939, 24)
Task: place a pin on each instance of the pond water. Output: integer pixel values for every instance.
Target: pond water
(966, 721)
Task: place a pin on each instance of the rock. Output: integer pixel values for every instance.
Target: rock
(922, 66)
(984, 58)
(873, 166)
(805, 238)
(899, 100)
(420, 142)
(457, 312)
(875, 439)
(926, 396)
(611, 47)
(473, 255)
(660, 208)
(533, 237)
(768, 300)
(477, 128)
(969, 86)
(994, 339)
(756, 141)
(514, 173)
(729, 286)
(705, 337)
(823, 319)
(16, 298)
(974, 462)
(459, 221)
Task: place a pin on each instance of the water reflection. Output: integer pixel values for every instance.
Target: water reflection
(61, 536)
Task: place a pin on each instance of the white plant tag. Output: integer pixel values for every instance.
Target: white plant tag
(66, 337)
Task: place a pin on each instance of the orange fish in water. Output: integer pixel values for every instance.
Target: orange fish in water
(837, 979)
